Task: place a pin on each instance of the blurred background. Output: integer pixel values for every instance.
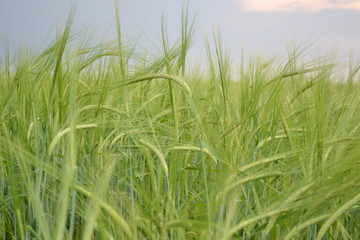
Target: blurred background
(255, 26)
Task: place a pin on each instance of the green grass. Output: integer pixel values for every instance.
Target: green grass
(102, 142)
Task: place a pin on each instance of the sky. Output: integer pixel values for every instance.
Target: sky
(255, 26)
(296, 5)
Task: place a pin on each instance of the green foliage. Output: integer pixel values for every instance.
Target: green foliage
(102, 143)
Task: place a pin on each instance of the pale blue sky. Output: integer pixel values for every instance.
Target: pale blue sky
(241, 23)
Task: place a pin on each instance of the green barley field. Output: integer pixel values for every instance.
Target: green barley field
(105, 142)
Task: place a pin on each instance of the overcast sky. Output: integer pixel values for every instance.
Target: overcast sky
(257, 25)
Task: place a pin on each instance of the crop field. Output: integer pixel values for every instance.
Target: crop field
(106, 142)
